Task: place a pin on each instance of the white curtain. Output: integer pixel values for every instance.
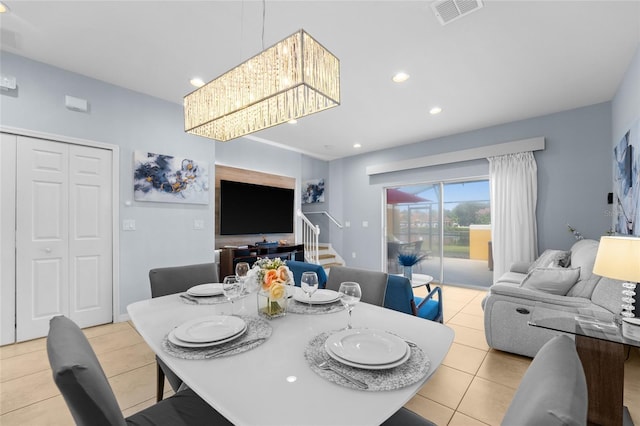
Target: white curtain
(514, 193)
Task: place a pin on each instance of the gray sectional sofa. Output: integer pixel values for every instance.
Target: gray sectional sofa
(559, 283)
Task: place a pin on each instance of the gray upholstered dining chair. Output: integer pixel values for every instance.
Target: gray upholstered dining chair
(171, 280)
(405, 417)
(86, 390)
(372, 283)
(176, 279)
(553, 391)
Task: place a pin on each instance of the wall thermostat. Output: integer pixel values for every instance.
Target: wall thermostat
(76, 104)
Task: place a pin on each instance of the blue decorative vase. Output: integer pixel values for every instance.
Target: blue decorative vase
(408, 271)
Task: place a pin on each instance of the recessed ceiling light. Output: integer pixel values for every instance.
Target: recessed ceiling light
(197, 82)
(435, 110)
(3, 8)
(401, 77)
(294, 121)
(357, 145)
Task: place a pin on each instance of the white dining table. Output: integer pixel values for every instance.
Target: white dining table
(272, 384)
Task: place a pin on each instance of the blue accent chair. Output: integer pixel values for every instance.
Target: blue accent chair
(297, 268)
(429, 307)
(399, 297)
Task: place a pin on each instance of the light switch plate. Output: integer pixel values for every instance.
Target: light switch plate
(7, 82)
(129, 225)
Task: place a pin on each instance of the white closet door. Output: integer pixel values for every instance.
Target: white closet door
(63, 235)
(90, 253)
(42, 202)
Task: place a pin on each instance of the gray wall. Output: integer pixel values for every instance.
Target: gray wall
(575, 171)
(574, 177)
(625, 114)
(317, 169)
(133, 121)
(626, 104)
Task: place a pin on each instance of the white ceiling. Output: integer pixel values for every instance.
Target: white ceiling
(508, 61)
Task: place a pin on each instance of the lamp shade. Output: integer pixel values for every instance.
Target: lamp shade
(618, 258)
(291, 79)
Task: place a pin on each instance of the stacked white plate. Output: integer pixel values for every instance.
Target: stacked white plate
(367, 349)
(208, 331)
(204, 290)
(319, 297)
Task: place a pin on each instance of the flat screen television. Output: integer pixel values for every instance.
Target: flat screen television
(247, 208)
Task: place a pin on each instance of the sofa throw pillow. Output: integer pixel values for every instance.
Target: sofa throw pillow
(551, 259)
(552, 280)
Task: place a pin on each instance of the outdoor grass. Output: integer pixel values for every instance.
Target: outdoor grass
(459, 252)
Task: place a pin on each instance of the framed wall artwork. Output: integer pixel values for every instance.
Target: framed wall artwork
(168, 179)
(313, 191)
(626, 182)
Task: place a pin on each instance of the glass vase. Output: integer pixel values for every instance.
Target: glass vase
(408, 272)
(269, 307)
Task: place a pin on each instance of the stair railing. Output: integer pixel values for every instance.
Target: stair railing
(310, 234)
(326, 213)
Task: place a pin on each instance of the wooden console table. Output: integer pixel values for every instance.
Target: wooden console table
(229, 257)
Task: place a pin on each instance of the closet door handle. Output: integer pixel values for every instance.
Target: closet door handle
(47, 250)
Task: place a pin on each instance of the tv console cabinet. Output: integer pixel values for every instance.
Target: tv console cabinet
(229, 257)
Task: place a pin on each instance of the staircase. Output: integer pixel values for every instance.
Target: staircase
(328, 257)
(314, 251)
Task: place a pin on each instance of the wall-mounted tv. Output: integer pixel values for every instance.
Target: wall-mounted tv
(247, 208)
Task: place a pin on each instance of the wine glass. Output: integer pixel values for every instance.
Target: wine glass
(350, 295)
(309, 283)
(242, 268)
(232, 288)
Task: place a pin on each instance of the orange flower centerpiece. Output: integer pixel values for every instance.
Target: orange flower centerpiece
(272, 277)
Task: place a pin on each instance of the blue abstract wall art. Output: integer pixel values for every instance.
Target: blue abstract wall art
(168, 179)
(313, 191)
(626, 182)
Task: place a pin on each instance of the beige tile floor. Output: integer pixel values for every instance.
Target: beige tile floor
(473, 386)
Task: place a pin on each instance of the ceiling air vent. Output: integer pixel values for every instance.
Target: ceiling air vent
(450, 10)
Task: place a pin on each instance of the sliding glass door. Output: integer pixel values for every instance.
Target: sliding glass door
(413, 225)
(447, 224)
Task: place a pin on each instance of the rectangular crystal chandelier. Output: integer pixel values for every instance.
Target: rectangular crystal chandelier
(291, 79)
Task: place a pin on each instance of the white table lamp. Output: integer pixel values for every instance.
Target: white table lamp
(619, 258)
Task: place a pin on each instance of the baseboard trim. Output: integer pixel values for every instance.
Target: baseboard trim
(122, 318)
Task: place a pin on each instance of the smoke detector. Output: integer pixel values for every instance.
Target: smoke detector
(450, 10)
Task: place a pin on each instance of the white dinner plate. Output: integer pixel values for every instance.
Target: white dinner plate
(173, 339)
(366, 346)
(209, 289)
(210, 329)
(375, 366)
(319, 297)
